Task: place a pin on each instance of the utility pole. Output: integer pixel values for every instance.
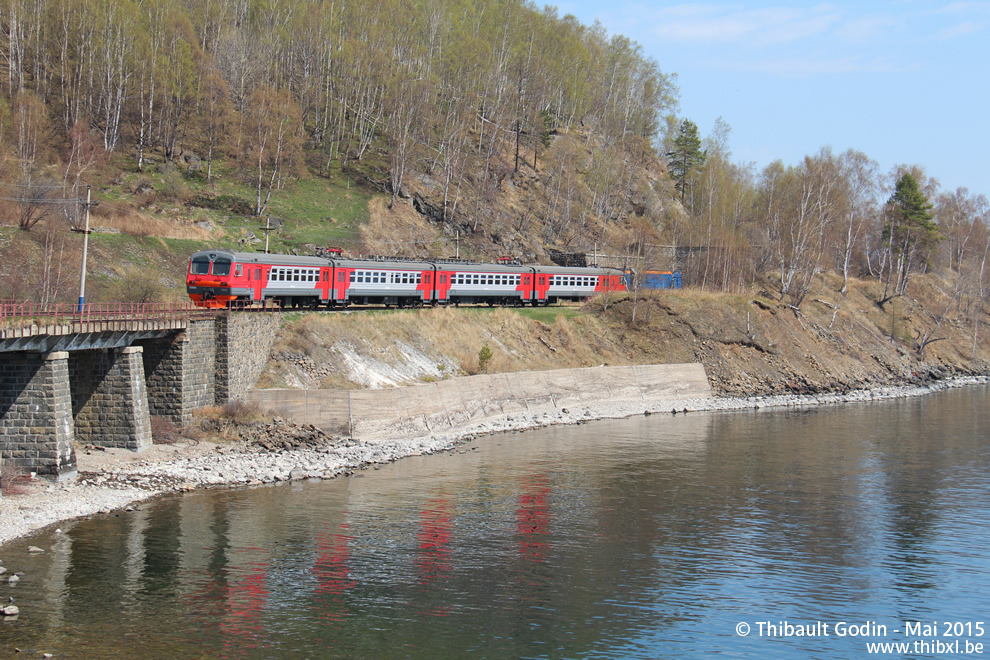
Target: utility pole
(457, 244)
(85, 233)
(268, 230)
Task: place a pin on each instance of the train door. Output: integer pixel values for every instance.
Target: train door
(526, 286)
(425, 286)
(256, 281)
(542, 285)
(444, 280)
(325, 284)
(342, 282)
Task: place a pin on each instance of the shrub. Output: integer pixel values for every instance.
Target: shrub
(484, 357)
(12, 479)
(163, 430)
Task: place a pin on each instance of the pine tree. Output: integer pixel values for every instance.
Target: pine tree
(687, 156)
(911, 231)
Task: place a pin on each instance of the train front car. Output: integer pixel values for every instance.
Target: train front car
(210, 280)
(557, 283)
(216, 278)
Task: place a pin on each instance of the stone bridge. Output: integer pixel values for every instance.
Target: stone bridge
(100, 378)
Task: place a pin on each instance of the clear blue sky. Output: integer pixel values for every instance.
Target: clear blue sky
(904, 81)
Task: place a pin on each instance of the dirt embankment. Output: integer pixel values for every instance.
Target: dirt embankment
(749, 344)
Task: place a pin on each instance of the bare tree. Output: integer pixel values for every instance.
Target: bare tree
(38, 197)
(275, 134)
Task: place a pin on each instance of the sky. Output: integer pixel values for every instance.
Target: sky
(903, 81)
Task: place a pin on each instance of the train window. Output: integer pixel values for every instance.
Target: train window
(200, 266)
(238, 270)
(221, 267)
(419, 278)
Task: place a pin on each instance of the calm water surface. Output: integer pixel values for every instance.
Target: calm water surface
(642, 538)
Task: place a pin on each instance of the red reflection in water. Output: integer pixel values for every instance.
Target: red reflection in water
(244, 597)
(434, 537)
(533, 518)
(234, 598)
(333, 574)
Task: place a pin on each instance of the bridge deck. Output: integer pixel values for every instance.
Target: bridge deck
(26, 326)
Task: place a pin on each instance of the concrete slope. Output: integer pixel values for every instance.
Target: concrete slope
(491, 401)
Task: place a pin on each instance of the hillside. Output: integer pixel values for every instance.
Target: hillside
(749, 344)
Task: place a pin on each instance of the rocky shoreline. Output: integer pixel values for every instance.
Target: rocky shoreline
(281, 451)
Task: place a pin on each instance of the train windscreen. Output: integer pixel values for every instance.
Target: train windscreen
(200, 266)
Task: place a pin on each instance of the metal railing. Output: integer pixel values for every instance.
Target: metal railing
(18, 318)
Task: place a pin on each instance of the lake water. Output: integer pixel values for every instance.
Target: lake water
(651, 537)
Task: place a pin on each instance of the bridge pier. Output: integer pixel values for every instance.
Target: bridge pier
(181, 372)
(110, 398)
(36, 424)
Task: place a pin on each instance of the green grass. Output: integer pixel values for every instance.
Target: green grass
(549, 314)
(321, 210)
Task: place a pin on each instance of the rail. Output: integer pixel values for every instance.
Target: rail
(18, 318)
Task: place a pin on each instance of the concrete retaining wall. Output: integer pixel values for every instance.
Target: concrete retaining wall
(462, 404)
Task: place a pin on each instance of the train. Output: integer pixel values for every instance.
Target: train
(661, 279)
(222, 278)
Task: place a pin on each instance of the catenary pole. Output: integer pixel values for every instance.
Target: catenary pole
(82, 274)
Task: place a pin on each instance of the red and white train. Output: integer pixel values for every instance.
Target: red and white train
(217, 278)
